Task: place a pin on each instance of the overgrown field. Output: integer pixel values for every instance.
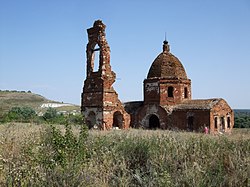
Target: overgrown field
(44, 155)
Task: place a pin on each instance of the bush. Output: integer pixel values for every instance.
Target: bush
(60, 149)
(20, 114)
(51, 116)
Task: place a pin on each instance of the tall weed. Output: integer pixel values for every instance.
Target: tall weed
(74, 156)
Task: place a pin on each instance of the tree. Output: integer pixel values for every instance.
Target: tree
(50, 114)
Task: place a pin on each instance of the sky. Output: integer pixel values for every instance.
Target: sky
(43, 45)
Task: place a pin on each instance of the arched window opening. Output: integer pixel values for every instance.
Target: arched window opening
(191, 123)
(118, 120)
(170, 91)
(215, 123)
(222, 123)
(154, 122)
(185, 92)
(96, 58)
(228, 122)
(91, 120)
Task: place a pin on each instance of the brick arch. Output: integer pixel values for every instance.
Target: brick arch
(147, 111)
(118, 120)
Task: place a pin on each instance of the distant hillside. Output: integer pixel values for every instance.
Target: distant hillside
(9, 99)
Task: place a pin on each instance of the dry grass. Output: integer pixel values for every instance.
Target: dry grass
(127, 158)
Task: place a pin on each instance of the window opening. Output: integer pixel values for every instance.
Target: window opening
(154, 122)
(95, 58)
(228, 122)
(185, 93)
(222, 123)
(170, 91)
(215, 123)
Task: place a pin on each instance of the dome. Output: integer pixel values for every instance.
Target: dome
(167, 66)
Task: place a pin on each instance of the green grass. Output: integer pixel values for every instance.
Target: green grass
(37, 155)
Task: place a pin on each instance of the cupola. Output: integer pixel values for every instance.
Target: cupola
(167, 82)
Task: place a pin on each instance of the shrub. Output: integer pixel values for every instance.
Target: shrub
(20, 114)
(53, 117)
(50, 114)
(61, 149)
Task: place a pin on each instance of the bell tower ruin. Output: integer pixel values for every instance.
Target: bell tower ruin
(100, 104)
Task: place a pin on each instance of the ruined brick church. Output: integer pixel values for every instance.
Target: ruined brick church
(167, 103)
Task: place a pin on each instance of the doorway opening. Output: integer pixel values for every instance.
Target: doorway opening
(91, 122)
(154, 122)
(118, 120)
(191, 123)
